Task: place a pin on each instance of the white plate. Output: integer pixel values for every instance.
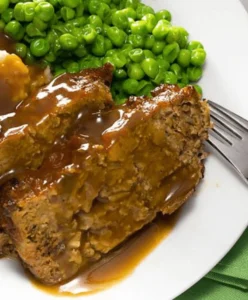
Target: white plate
(211, 222)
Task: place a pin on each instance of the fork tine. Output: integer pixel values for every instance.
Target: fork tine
(216, 142)
(239, 121)
(227, 152)
(219, 134)
(231, 132)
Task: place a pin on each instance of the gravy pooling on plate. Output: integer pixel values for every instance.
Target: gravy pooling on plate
(83, 174)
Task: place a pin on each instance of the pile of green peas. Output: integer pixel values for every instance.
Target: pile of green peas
(70, 35)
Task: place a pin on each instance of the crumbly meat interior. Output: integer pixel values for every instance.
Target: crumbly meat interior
(110, 175)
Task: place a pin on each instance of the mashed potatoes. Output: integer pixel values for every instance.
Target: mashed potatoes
(21, 79)
(15, 74)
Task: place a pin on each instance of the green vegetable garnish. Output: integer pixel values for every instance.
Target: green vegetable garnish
(143, 46)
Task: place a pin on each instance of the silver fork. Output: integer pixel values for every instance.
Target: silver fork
(229, 137)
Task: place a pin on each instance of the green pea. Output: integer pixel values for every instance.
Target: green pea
(14, 30)
(183, 40)
(29, 59)
(20, 49)
(80, 9)
(136, 40)
(4, 4)
(105, 28)
(67, 13)
(50, 57)
(78, 22)
(120, 60)
(129, 12)
(164, 65)
(97, 62)
(144, 88)
(120, 74)
(161, 29)
(2, 25)
(181, 85)
(59, 72)
(170, 78)
(159, 78)
(198, 57)
(126, 49)
(184, 57)
(29, 11)
(148, 54)
(99, 8)
(149, 42)
(109, 60)
(67, 62)
(143, 10)
(194, 45)
(54, 2)
(89, 34)
(33, 31)
(120, 19)
(137, 55)
(71, 3)
(98, 46)
(68, 41)
(150, 67)
(194, 73)
(171, 52)
(95, 21)
(112, 52)
(173, 35)
(73, 67)
(151, 22)
(78, 33)
(39, 47)
(81, 51)
(130, 86)
(198, 89)
(139, 27)
(184, 78)
(158, 47)
(163, 15)
(7, 15)
(107, 44)
(135, 71)
(45, 11)
(176, 69)
(120, 97)
(39, 24)
(116, 35)
(93, 6)
(19, 12)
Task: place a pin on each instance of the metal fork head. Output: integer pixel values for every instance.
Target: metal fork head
(229, 137)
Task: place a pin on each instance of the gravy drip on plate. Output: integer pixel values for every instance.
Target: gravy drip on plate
(94, 127)
(118, 264)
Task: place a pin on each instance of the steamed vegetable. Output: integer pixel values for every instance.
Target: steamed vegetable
(70, 35)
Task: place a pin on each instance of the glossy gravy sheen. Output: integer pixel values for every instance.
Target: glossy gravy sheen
(118, 264)
(121, 262)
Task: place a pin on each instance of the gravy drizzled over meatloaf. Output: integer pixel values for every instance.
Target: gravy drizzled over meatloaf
(84, 174)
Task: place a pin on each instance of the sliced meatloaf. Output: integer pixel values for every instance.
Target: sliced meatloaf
(105, 180)
(27, 133)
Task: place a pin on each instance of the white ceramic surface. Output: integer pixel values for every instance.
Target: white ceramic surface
(215, 218)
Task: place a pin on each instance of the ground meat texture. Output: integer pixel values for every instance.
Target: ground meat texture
(105, 180)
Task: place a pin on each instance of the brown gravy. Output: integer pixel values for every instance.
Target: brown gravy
(6, 43)
(118, 264)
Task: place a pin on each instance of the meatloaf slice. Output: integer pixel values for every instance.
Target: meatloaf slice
(29, 132)
(109, 178)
